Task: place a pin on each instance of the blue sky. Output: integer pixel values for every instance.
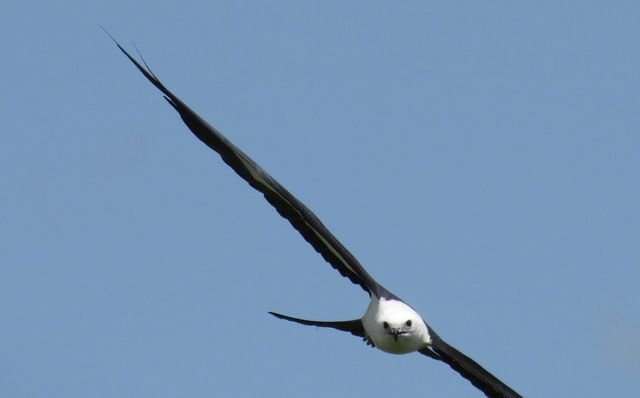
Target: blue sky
(481, 159)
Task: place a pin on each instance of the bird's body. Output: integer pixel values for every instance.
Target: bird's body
(388, 323)
(394, 327)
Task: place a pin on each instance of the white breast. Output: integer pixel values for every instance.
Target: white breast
(382, 316)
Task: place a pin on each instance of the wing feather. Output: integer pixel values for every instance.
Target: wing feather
(468, 368)
(287, 205)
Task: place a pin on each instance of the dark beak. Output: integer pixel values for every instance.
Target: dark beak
(395, 333)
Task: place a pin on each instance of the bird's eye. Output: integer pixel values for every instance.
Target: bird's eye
(408, 323)
(385, 325)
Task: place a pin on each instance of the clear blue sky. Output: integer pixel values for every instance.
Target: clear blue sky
(481, 159)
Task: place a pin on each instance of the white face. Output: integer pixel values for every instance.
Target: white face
(395, 327)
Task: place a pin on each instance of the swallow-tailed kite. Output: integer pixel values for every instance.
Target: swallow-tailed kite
(389, 323)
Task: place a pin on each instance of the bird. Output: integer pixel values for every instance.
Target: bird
(389, 323)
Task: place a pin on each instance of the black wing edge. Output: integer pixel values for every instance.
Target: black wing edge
(354, 326)
(468, 368)
(288, 206)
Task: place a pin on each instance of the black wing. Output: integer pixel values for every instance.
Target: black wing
(302, 219)
(468, 368)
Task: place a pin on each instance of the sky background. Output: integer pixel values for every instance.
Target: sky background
(480, 159)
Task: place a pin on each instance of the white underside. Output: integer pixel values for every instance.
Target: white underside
(396, 314)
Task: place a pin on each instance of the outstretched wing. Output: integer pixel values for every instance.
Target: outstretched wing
(302, 219)
(468, 368)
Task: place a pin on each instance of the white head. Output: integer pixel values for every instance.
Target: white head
(395, 327)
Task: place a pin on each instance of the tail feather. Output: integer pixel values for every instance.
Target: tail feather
(353, 326)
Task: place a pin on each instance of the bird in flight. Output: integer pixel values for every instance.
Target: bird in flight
(389, 323)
